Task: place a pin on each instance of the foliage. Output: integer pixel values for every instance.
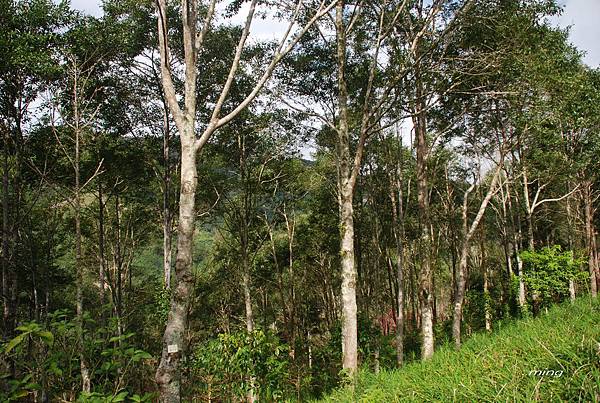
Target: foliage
(234, 364)
(47, 360)
(547, 273)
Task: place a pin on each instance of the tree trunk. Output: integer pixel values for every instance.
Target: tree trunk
(486, 300)
(101, 245)
(398, 231)
(167, 236)
(118, 259)
(590, 235)
(345, 194)
(10, 234)
(167, 374)
(247, 296)
(459, 294)
(5, 241)
(85, 373)
(349, 309)
(425, 275)
(251, 397)
(468, 232)
(79, 270)
(517, 236)
(570, 242)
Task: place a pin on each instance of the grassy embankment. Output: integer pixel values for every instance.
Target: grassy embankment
(554, 357)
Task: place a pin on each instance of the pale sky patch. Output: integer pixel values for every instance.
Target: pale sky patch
(584, 18)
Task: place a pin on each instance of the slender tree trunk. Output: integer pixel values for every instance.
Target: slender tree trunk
(118, 259)
(85, 373)
(530, 236)
(168, 375)
(398, 225)
(570, 242)
(79, 269)
(345, 194)
(251, 397)
(101, 245)
(459, 295)
(528, 209)
(468, 232)
(247, 295)
(5, 236)
(167, 220)
(290, 226)
(590, 235)
(349, 309)
(517, 236)
(425, 275)
(486, 288)
(10, 234)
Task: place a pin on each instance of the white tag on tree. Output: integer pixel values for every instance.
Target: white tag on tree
(172, 348)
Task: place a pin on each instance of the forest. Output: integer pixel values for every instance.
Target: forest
(283, 200)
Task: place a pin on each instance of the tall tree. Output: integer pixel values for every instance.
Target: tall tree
(168, 375)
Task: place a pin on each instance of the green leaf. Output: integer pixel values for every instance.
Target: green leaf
(14, 342)
(120, 397)
(47, 336)
(20, 394)
(141, 355)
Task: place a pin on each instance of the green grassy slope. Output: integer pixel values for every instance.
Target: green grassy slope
(499, 367)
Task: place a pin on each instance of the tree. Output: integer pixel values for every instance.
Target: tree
(28, 43)
(167, 375)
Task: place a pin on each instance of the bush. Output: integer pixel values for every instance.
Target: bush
(234, 364)
(46, 358)
(547, 273)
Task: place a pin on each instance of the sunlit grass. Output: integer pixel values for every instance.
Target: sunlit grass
(563, 346)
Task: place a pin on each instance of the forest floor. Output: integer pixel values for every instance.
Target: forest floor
(553, 357)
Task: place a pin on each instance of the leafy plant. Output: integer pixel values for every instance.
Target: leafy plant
(234, 364)
(547, 273)
(46, 358)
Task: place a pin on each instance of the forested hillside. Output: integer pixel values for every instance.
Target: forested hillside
(194, 210)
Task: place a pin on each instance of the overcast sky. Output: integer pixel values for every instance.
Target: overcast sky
(582, 15)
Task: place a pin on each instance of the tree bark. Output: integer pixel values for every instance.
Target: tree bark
(425, 274)
(346, 193)
(167, 220)
(590, 235)
(101, 245)
(247, 295)
(517, 236)
(349, 308)
(167, 374)
(79, 269)
(5, 238)
(398, 230)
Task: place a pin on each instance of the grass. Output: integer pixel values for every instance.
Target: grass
(500, 367)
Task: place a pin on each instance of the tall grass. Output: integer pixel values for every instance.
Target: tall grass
(554, 357)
